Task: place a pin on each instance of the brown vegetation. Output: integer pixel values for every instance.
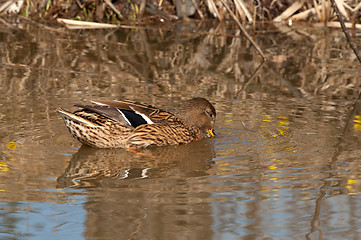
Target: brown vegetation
(142, 11)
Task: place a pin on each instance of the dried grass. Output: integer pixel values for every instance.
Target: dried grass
(106, 11)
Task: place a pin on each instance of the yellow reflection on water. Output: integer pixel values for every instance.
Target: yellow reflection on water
(11, 146)
(4, 167)
(357, 121)
(352, 186)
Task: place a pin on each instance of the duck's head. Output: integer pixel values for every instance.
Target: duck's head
(199, 112)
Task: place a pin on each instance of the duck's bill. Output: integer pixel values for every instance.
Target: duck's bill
(210, 133)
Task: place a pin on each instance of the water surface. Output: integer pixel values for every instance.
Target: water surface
(285, 163)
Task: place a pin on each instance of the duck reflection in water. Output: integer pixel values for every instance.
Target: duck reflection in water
(93, 167)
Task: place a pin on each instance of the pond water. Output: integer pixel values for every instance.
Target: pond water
(285, 163)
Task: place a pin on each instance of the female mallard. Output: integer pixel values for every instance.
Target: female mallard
(128, 124)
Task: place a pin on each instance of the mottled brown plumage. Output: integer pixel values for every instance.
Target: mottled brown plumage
(128, 124)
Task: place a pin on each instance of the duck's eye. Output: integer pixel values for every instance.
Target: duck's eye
(210, 114)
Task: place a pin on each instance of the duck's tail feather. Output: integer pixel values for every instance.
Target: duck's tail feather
(68, 116)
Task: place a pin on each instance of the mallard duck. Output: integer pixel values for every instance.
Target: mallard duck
(129, 124)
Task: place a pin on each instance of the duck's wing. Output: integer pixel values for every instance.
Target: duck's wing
(128, 112)
(125, 104)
